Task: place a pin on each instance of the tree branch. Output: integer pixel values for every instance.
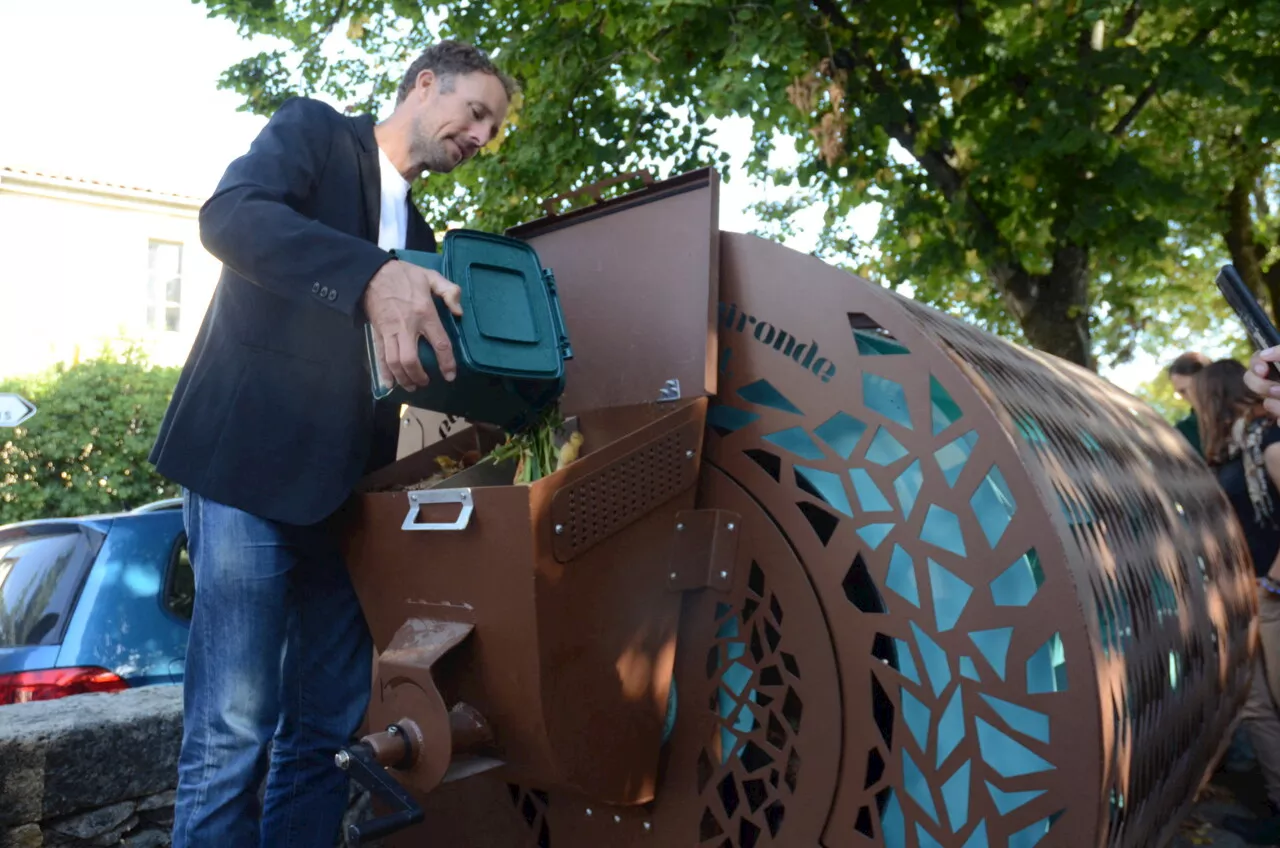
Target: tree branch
(1271, 282)
(1122, 126)
(1260, 197)
(1010, 275)
(833, 13)
(1130, 20)
(1144, 97)
(1246, 253)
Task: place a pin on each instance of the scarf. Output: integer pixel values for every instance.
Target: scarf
(1246, 443)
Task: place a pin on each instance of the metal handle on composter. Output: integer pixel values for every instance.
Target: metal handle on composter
(420, 497)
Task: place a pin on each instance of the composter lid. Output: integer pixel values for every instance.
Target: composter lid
(507, 326)
(639, 281)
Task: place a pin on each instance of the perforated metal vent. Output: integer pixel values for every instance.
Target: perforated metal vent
(594, 508)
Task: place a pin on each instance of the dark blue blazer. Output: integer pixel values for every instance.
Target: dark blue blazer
(273, 413)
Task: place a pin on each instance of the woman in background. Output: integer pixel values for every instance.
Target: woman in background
(1241, 443)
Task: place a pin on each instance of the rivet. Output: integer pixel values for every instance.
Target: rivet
(617, 819)
(559, 529)
(724, 575)
(731, 525)
(679, 526)
(688, 454)
(673, 575)
(648, 826)
(588, 812)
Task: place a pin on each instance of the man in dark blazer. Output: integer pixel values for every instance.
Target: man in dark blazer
(272, 423)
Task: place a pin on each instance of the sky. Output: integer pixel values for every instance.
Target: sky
(126, 92)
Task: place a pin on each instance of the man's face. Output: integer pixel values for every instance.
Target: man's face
(456, 116)
(1181, 384)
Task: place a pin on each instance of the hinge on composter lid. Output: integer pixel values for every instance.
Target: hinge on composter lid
(704, 550)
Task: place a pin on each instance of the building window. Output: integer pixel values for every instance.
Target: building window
(164, 286)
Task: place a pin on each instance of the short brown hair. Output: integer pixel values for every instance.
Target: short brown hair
(448, 59)
(1188, 364)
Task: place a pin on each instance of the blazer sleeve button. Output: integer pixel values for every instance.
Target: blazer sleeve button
(315, 288)
(324, 292)
(333, 294)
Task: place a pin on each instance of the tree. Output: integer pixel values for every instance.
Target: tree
(1024, 182)
(85, 451)
(1228, 153)
(1251, 229)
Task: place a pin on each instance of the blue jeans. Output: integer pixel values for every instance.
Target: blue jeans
(279, 657)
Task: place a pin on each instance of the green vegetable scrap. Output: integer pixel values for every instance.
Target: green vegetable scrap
(534, 448)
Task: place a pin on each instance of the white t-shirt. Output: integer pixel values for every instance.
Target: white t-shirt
(394, 218)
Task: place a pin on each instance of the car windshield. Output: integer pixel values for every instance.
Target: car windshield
(40, 576)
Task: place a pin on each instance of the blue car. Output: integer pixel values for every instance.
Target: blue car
(93, 604)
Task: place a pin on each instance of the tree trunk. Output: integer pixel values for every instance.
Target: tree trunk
(1271, 282)
(1247, 254)
(1053, 308)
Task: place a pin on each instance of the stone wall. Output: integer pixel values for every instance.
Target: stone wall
(95, 770)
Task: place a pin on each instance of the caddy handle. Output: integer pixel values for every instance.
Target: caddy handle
(557, 315)
(420, 497)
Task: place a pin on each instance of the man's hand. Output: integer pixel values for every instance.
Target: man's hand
(399, 303)
(1260, 380)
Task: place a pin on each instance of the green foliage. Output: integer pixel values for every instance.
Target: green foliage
(85, 451)
(1158, 393)
(1040, 165)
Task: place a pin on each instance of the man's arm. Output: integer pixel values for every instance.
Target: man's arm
(252, 223)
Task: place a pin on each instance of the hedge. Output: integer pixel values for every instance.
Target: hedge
(85, 450)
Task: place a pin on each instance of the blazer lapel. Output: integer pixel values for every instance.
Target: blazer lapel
(418, 235)
(370, 176)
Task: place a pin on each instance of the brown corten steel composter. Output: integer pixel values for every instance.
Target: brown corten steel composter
(833, 569)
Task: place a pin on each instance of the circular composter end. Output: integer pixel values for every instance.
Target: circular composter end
(981, 598)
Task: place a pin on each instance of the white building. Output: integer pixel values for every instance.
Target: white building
(85, 262)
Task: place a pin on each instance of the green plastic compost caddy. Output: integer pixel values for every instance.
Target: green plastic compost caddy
(510, 344)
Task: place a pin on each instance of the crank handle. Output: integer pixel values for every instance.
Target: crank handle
(360, 761)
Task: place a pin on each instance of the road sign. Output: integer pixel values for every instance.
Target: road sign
(14, 410)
